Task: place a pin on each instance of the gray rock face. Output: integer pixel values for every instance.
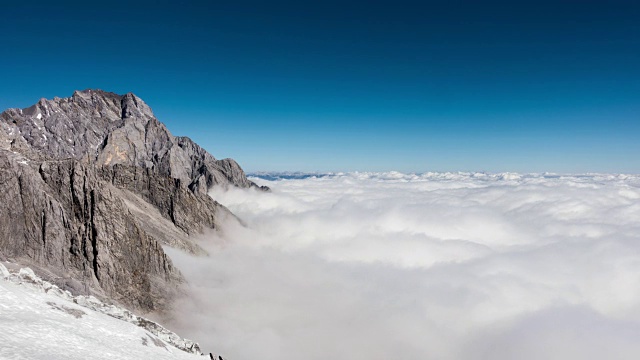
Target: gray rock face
(111, 129)
(92, 185)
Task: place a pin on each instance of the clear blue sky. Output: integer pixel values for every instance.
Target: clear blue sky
(339, 85)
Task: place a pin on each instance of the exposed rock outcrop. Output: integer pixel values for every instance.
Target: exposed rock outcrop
(93, 184)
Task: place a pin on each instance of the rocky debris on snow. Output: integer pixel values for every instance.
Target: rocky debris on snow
(26, 277)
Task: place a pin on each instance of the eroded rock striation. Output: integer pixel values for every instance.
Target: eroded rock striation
(93, 184)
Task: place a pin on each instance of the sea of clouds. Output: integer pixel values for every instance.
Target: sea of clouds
(427, 266)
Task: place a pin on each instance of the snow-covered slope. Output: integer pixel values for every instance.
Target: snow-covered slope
(40, 321)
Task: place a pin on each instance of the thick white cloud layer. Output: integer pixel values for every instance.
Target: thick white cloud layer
(433, 266)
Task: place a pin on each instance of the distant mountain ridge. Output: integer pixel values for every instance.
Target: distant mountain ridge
(93, 184)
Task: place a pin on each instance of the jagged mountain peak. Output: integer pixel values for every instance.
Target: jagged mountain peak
(112, 129)
(94, 183)
(128, 105)
(90, 101)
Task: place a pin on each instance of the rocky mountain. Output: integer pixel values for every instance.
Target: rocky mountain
(92, 186)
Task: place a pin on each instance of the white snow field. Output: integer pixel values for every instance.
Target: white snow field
(40, 321)
(447, 266)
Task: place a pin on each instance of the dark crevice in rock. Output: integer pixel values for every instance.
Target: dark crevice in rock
(94, 237)
(44, 228)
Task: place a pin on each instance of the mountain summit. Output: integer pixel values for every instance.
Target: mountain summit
(94, 184)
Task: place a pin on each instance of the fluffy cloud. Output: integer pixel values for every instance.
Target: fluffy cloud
(432, 266)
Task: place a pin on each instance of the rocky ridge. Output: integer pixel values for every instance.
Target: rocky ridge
(92, 186)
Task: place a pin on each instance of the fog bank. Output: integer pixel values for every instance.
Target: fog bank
(432, 266)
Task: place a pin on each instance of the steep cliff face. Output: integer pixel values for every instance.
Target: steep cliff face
(91, 185)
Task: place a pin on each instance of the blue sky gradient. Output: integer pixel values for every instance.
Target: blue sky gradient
(410, 86)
